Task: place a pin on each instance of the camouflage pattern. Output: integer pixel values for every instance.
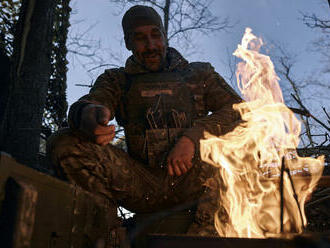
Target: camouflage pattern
(128, 179)
(111, 173)
(208, 89)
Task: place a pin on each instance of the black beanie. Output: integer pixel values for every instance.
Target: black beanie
(140, 15)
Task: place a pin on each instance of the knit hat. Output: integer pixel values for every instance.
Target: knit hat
(140, 15)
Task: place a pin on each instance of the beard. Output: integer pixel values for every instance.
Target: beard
(153, 60)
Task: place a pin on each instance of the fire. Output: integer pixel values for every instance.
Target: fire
(255, 202)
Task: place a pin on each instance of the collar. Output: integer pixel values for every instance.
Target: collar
(175, 61)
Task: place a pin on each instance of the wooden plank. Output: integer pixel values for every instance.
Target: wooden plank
(50, 212)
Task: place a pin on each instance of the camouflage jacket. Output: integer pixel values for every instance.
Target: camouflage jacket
(212, 100)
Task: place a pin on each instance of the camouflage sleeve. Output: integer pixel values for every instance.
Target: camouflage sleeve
(107, 90)
(219, 98)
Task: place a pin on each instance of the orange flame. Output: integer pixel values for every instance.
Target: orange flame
(249, 158)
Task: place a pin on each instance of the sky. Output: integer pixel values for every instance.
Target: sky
(275, 21)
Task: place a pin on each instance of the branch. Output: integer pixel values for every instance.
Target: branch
(313, 117)
(85, 85)
(192, 15)
(102, 65)
(81, 53)
(326, 113)
(134, 2)
(202, 27)
(300, 111)
(312, 21)
(287, 62)
(316, 82)
(81, 45)
(183, 16)
(154, 3)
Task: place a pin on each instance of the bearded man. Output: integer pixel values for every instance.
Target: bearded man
(165, 105)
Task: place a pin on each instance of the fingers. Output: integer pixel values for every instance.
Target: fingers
(94, 120)
(103, 130)
(104, 139)
(179, 160)
(170, 170)
(189, 163)
(178, 167)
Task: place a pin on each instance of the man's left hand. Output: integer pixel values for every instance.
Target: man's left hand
(179, 161)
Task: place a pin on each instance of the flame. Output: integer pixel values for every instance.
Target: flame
(250, 158)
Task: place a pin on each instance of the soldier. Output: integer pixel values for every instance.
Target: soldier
(165, 105)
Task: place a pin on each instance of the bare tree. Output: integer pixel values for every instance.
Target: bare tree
(183, 18)
(230, 63)
(86, 50)
(312, 21)
(81, 46)
(292, 88)
(322, 44)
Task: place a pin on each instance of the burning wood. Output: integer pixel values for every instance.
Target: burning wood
(260, 195)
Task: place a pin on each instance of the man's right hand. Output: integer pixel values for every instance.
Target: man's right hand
(94, 123)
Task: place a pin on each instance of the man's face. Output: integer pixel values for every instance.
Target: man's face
(149, 47)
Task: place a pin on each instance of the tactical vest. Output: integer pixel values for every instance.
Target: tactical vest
(156, 108)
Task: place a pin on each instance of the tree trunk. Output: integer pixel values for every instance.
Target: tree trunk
(4, 83)
(30, 73)
(166, 16)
